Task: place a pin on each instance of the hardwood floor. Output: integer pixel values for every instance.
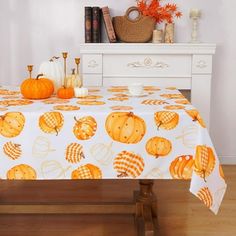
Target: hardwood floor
(180, 213)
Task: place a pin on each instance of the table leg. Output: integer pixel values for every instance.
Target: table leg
(146, 209)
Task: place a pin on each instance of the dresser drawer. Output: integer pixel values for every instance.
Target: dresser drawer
(92, 80)
(202, 64)
(180, 83)
(92, 63)
(147, 65)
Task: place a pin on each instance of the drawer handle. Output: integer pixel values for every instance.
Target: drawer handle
(92, 64)
(201, 64)
(148, 63)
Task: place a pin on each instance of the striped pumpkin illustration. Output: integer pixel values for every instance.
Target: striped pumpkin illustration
(22, 172)
(205, 195)
(204, 161)
(172, 96)
(51, 122)
(87, 171)
(158, 147)
(128, 164)
(182, 101)
(182, 167)
(74, 153)
(119, 99)
(194, 114)
(174, 107)
(166, 119)
(125, 127)
(154, 102)
(85, 127)
(12, 150)
(11, 124)
(151, 88)
(19, 102)
(66, 108)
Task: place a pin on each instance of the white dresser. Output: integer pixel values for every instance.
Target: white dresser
(185, 66)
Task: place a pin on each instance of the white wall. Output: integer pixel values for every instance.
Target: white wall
(34, 30)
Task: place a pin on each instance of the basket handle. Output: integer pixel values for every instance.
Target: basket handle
(131, 9)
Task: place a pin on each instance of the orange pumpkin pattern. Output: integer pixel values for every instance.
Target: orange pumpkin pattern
(91, 103)
(172, 96)
(74, 153)
(92, 97)
(205, 195)
(87, 171)
(221, 172)
(51, 122)
(174, 107)
(125, 127)
(182, 167)
(66, 108)
(8, 92)
(85, 128)
(166, 119)
(204, 161)
(19, 102)
(119, 99)
(55, 101)
(124, 108)
(158, 147)
(196, 117)
(22, 172)
(11, 124)
(151, 88)
(154, 102)
(182, 101)
(12, 150)
(128, 164)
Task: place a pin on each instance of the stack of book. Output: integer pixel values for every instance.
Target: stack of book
(93, 22)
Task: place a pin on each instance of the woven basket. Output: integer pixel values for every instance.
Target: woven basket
(137, 30)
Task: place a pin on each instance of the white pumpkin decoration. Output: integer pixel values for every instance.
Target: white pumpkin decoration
(53, 170)
(189, 135)
(41, 147)
(102, 153)
(53, 70)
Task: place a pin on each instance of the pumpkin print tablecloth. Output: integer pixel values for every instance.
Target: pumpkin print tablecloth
(109, 135)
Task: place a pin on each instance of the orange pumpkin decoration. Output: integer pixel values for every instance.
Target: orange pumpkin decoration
(125, 127)
(166, 119)
(11, 124)
(204, 162)
(39, 88)
(51, 122)
(74, 153)
(12, 150)
(85, 127)
(196, 117)
(158, 146)
(154, 102)
(174, 107)
(204, 195)
(65, 93)
(182, 167)
(22, 172)
(128, 164)
(87, 171)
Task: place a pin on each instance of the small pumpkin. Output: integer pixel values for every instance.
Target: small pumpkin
(51, 122)
(125, 127)
(74, 153)
(204, 162)
(85, 128)
(87, 171)
(128, 164)
(205, 195)
(39, 88)
(12, 150)
(53, 70)
(11, 124)
(158, 146)
(194, 114)
(22, 172)
(166, 119)
(182, 167)
(65, 93)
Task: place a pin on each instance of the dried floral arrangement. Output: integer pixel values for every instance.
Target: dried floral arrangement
(165, 13)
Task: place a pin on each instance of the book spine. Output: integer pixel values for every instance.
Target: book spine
(108, 25)
(96, 31)
(88, 24)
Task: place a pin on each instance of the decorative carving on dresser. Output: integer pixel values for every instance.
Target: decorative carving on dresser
(92, 64)
(148, 63)
(201, 64)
